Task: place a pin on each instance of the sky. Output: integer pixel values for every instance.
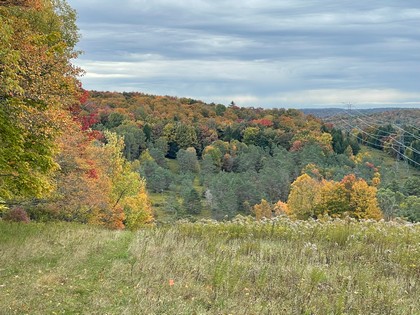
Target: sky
(260, 53)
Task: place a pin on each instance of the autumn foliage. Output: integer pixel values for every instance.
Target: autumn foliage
(350, 197)
(73, 155)
(51, 160)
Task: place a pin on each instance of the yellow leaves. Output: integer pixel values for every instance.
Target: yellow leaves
(38, 56)
(376, 180)
(361, 156)
(303, 196)
(262, 210)
(364, 202)
(280, 208)
(145, 157)
(325, 140)
(333, 199)
(311, 198)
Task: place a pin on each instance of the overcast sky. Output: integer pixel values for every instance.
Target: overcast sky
(261, 53)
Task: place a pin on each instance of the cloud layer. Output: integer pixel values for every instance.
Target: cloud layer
(255, 52)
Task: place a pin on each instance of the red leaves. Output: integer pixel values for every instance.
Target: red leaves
(263, 122)
(92, 173)
(83, 96)
(89, 120)
(297, 145)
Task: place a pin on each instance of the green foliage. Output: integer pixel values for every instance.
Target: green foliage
(389, 202)
(411, 186)
(250, 135)
(181, 135)
(158, 179)
(134, 140)
(36, 81)
(412, 153)
(221, 195)
(251, 159)
(220, 109)
(27, 151)
(158, 156)
(114, 120)
(410, 208)
(187, 160)
(174, 207)
(192, 201)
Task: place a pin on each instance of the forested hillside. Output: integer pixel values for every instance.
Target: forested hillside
(396, 132)
(215, 160)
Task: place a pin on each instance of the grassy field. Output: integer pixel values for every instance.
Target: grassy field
(398, 170)
(243, 267)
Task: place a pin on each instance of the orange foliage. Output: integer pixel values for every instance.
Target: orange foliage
(262, 210)
(351, 196)
(280, 208)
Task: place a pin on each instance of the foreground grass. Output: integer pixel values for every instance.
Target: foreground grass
(243, 267)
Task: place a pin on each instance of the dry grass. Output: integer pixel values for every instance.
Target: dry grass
(242, 267)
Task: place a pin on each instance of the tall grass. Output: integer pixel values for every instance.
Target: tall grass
(242, 267)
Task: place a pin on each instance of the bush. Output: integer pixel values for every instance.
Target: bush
(16, 214)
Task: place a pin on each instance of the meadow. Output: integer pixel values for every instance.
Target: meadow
(240, 267)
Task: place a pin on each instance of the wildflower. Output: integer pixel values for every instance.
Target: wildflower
(171, 282)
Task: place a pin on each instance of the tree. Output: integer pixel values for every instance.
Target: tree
(158, 179)
(410, 208)
(280, 208)
(159, 156)
(412, 153)
(220, 109)
(187, 160)
(224, 200)
(214, 155)
(363, 202)
(114, 120)
(250, 135)
(134, 140)
(138, 208)
(180, 136)
(262, 210)
(192, 201)
(274, 181)
(82, 185)
(411, 186)
(128, 199)
(303, 197)
(351, 196)
(37, 81)
(251, 159)
(333, 199)
(389, 202)
(161, 144)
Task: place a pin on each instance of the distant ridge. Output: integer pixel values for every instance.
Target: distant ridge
(335, 111)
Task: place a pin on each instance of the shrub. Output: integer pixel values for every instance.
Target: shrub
(16, 214)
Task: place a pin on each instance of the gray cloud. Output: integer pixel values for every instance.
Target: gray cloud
(256, 52)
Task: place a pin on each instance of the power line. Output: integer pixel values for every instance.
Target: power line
(395, 140)
(364, 122)
(384, 123)
(374, 144)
